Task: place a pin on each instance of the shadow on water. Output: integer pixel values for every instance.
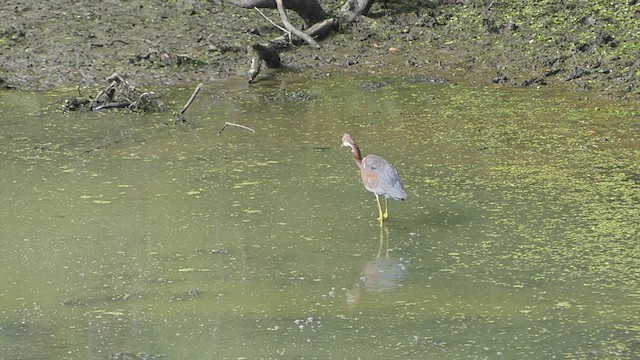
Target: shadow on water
(518, 239)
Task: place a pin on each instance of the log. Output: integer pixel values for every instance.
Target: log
(310, 11)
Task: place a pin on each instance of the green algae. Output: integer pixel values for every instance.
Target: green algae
(518, 238)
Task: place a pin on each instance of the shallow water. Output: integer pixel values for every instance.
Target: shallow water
(125, 238)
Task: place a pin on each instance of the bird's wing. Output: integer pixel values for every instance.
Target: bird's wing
(389, 182)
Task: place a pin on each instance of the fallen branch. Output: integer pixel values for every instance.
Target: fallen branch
(317, 24)
(180, 118)
(292, 29)
(268, 52)
(236, 125)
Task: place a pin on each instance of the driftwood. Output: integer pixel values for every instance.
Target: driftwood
(316, 22)
(291, 28)
(270, 52)
(118, 94)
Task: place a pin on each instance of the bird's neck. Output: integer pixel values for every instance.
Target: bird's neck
(357, 156)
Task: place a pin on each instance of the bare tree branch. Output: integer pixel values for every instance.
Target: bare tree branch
(291, 28)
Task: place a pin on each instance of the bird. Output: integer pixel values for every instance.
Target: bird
(378, 176)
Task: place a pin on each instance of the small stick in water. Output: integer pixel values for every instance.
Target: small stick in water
(180, 117)
(236, 125)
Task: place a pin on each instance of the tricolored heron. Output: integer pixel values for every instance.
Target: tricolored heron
(378, 176)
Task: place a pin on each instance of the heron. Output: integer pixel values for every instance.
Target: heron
(378, 176)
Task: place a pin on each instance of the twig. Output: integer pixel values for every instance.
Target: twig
(236, 125)
(271, 21)
(180, 117)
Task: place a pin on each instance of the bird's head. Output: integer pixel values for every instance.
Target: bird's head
(347, 140)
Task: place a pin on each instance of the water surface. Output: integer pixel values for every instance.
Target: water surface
(123, 237)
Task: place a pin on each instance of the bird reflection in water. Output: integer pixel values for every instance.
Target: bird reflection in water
(382, 274)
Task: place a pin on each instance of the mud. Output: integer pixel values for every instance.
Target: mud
(574, 46)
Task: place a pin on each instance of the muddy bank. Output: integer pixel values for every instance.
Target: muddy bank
(579, 47)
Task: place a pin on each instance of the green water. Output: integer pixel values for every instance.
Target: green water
(125, 238)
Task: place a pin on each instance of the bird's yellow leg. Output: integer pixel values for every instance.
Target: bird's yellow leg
(386, 208)
(381, 217)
